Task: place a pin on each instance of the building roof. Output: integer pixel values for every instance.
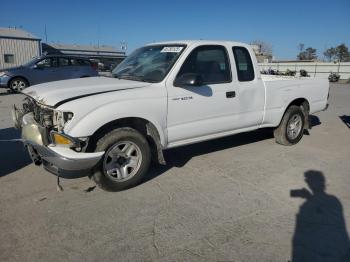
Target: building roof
(16, 33)
(83, 50)
(87, 48)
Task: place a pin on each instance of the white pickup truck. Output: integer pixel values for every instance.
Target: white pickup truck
(163, 95)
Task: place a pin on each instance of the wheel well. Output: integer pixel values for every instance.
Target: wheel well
(300, 102)
(305, 107)
(25, 79)
(145, 127)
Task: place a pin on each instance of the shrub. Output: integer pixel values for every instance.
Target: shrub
(290, 73)
(303, 73)
(333, 77)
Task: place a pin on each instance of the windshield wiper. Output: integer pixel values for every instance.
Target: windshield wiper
(134, 77)
(127, 77)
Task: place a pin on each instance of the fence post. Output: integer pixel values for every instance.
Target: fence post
(315, 69)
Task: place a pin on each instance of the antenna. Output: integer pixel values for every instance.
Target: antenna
(98, 36)
(45, 34)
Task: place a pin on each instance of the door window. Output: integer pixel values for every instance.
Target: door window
(63, 61)
(210, 62)
(79, 62)
(83, 62)
(45, 63)
(244, 65)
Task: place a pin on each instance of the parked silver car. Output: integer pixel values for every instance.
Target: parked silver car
(46, 69)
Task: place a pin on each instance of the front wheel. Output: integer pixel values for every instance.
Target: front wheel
(291, 128)
(125, 162)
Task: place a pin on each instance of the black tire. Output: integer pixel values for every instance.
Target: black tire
(17, 84)
(107, 143)
(281, 132)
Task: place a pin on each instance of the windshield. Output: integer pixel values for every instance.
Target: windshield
(149, 63)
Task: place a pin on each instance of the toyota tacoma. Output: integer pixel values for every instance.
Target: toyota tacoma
(161, 96)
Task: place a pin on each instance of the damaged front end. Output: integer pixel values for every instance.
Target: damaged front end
(42, 133)
(47, 116)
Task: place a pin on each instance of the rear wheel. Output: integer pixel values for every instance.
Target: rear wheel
(125, 162)
(17, 84)
(291, 129)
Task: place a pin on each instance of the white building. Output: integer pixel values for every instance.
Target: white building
(17, 47)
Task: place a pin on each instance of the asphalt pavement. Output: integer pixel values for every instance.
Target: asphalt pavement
(239, 198)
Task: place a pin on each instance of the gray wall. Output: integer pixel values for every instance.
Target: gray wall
(315, 69)
(22, 49)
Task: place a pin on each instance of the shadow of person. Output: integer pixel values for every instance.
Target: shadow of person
(320, 230)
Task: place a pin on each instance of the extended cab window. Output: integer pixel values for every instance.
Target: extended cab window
(211, 62)
(244, 65)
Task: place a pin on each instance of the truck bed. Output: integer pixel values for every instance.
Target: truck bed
(282, 90)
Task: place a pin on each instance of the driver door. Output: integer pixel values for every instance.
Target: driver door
(201, 111)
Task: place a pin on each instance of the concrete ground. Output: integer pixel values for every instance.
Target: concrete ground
(228, 199)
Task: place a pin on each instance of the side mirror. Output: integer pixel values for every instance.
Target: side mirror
(189, 79)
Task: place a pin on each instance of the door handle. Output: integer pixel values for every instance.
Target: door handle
(230, 94)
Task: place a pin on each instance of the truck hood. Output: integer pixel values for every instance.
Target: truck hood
(56, 93)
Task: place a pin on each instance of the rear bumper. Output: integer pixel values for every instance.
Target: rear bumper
(62, 161)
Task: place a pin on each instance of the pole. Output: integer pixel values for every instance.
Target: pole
(45, 34)
(315, 69)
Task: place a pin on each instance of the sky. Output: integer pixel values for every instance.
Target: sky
(283, 24)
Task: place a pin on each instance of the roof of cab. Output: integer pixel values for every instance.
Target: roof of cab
(200, 42)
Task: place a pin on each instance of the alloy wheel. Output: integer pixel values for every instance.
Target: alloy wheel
(18, 85)
(122, 161)
(294, 126)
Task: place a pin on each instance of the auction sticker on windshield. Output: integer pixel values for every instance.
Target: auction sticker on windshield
(172, 49)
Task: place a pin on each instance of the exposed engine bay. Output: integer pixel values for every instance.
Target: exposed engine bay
(46, 116)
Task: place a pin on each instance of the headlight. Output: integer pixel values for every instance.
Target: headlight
(3, 73)
(63, 140)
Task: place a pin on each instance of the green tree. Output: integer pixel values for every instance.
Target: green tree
(308, 54)
(330, 54)
(342, 53)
